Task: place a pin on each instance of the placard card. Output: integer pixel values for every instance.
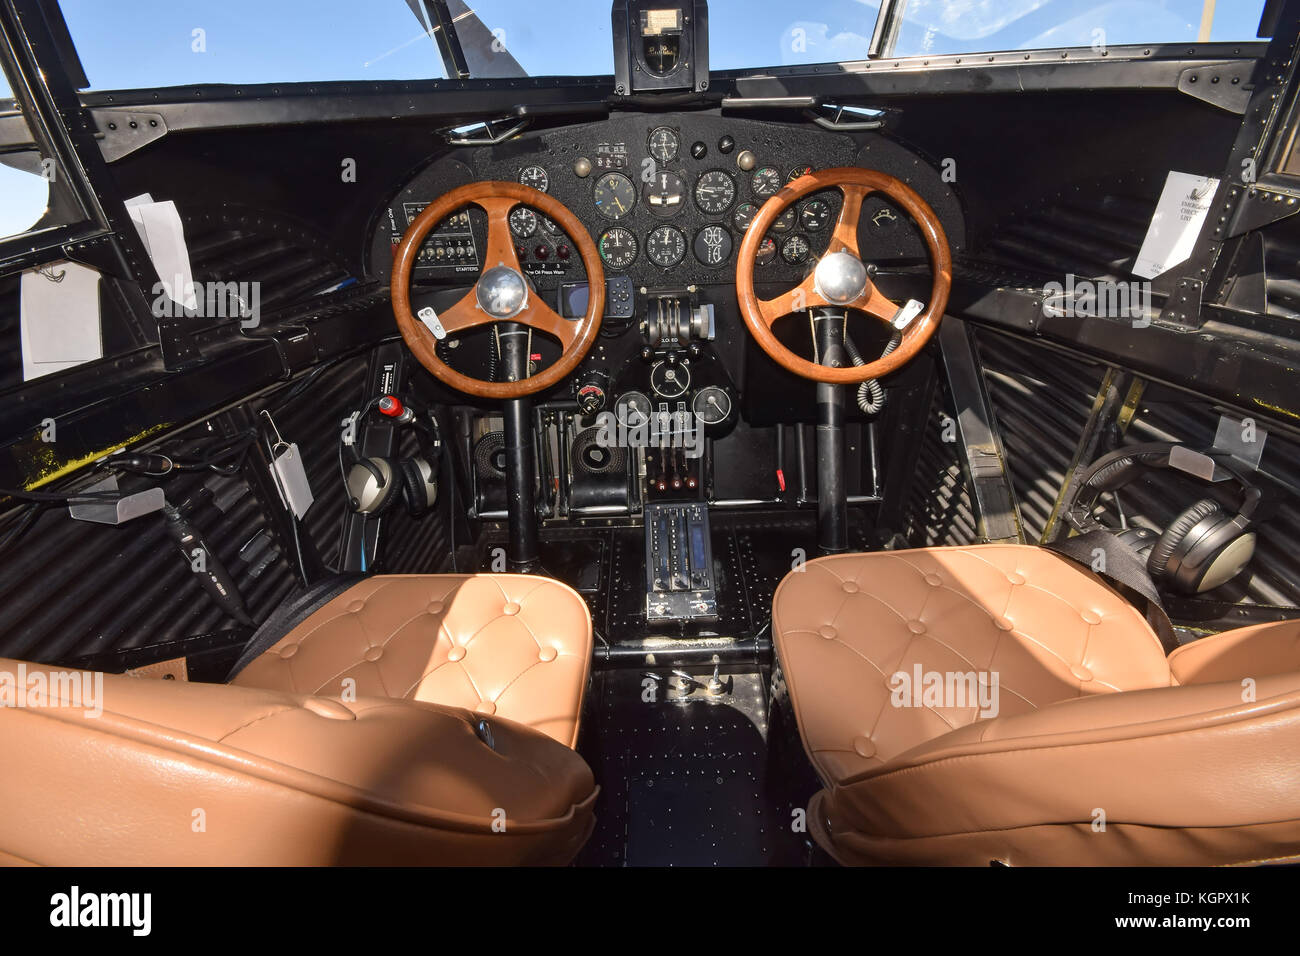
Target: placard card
(59, 318)
(1180, 214)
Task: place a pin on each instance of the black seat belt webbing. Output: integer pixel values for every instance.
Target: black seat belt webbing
(289, 615)
(1122, 565)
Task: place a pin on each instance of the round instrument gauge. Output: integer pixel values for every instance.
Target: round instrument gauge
(666, 246)
(794, 250)
(536, 177)
(785, 222)
(712, 245)
(665, 194)
(614, 195)
(765, 182)
(766, 251)
(523, 221)
(670, 380)
(715, 191)
(664, 144)
(549, 225)
(617, 247)
(815, 215)
(632, 408)
(797, 172)
(743, 216)
(711, 405)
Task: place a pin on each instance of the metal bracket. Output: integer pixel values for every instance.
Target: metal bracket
(295, 345)
(115, 511)
(1113, 409)
(983, 459)
(1183, 307)
(122, 132)
(1225, 85)
(100, 252)
(491, 139)
(1261, 206)
(837, 123)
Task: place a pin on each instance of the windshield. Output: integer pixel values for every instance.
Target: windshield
(148, 43)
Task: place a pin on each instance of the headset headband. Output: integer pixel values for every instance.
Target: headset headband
(1113, 471)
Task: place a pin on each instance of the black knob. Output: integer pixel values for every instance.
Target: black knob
(726, 145)
(699, 150)
(647, 354)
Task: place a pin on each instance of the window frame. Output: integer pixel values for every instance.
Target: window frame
(889, 24)
(31, 85)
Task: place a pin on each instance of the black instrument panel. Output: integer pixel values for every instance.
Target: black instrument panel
(666, 198)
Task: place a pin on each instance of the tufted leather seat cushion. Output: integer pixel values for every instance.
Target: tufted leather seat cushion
(513, 646)
(109, 770)
(1088, 713)
(846, 624)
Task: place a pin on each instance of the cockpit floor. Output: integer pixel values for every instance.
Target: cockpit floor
(688, 778)
(684, 775)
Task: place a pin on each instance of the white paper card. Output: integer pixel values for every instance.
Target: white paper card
(59, 318)
(159, 225)
(1179, 216)
(290, 476)
(133, 210)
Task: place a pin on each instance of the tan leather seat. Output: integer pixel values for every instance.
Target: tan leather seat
(508, 645)
(454, 750)
(1095, 748)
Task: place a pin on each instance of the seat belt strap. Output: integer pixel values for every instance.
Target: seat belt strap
(1121, 565)
(289, 615)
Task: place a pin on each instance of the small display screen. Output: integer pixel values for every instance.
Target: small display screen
(697, 548)
(573, 300)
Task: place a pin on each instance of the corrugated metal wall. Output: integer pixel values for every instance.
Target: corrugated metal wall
(1042, 398)
(289, 261)
(1282, 267)
(1092, 232)
(69, 589)
(939, 509)
(1042, 401)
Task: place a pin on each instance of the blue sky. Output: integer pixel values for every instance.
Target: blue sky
(141, 43)
(133, 43)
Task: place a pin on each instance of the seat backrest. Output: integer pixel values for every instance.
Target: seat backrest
(1204, 772)
(116, 770)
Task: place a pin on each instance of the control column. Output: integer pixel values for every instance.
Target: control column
(521, 507)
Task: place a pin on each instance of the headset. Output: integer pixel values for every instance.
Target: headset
(1204, 546)
(374, 485)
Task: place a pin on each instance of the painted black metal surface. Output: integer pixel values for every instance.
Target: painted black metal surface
(620, 146)
(605, 563)
(685, 777)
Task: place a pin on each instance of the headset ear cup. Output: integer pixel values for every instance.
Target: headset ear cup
(373, 486)
(419, 487)
(1165, 554)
